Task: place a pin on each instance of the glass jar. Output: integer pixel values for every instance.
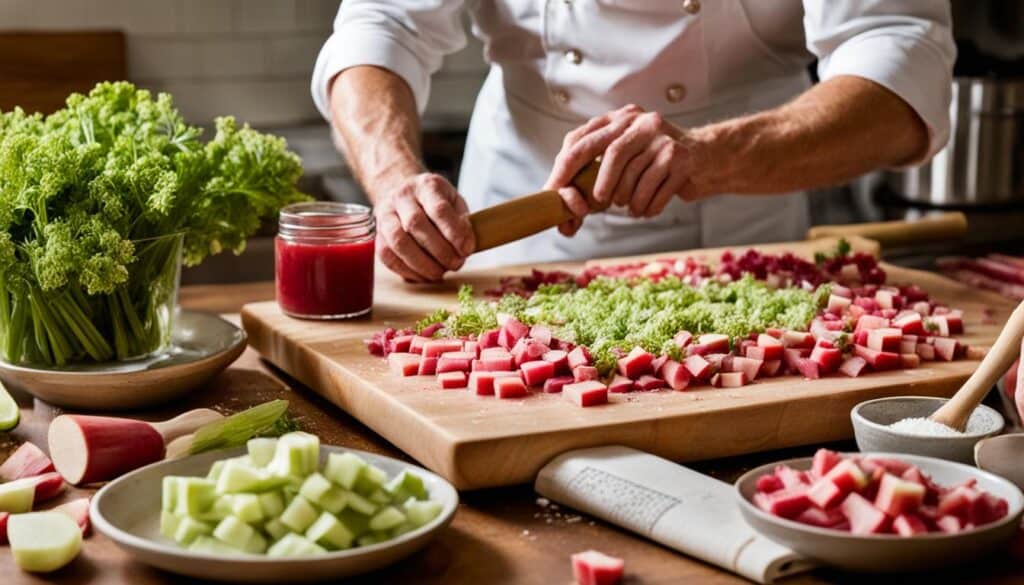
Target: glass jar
(324, 260)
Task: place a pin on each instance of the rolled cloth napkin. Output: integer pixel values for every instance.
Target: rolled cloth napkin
(670, 504)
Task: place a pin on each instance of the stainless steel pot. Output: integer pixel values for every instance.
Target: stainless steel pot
(983, 164)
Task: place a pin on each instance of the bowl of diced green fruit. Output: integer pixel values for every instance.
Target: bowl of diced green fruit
(275, 511)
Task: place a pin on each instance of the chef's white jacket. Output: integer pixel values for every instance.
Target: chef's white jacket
(556, 63)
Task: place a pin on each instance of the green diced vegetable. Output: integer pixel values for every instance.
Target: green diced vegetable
(421, 513)
(222, 507)
(272, 504)
(293, 545)
(169, 524)
(297, 454)
(190, 528)
(195, 495)
(237, 477)
(247, 508)
(360, 504)
(170, 489)
(261, 450)
(234, 532)
(257, 544)
(387, 519)
(314, 487)
(276, 529)
(406, 485)
(211, 546)
(370, 480)
(344, 468)
(355, 522)
(299, 515)
(329, 533)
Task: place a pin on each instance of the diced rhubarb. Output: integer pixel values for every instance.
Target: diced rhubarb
(26, 461)
(594, 568)
(555, 385)
(926, 352)
(771, 368)
(879, 360)
(749, 366)
(453, 364)
(510, 387)
(886, 299)
(949, 524)
(682, 339)
(885, 339)
(909, 525)
(808, 368)
(451, 380)
(620, 384)
(945, 348)
(648, 383)
(710, 343)
(636, 363)
(896, 496)
(437, 347)
(417, 343)
(675, 375)
(472, 348)
(937, 324)
(401, 343)
(3, 526)
(404, 364)
(493, 364)
(853, 366)
(791, 357)
(488, 339)
(528, 350)
(698, 367)
(820, 517)
(848, 476)
(428, 367)
(579, 356)
(771, 346)
(495, 352)
(769, 483)
(791, 478)
(786, 503)
(838, 304)
(870, 322)
(541, 333)
(481, 383)
(825, 494)
(584, 373)
(909, 361)
(729, 379)
(588, 393)
(827, 358)
(908, 346)
(797, 339)
(863, 517)
(558, 358)
(909, 322)
(536, 372)
(823, 462)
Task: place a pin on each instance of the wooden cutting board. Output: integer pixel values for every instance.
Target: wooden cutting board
(478, 442)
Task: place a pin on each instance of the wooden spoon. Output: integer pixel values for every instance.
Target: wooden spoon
(524, 216)
(90, 449)
(1000, 357)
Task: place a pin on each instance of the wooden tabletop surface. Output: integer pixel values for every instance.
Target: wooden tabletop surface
(498, 536)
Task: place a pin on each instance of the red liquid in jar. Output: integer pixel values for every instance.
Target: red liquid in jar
(324, 280)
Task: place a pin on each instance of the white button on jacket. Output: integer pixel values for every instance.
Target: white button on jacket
(556, 63)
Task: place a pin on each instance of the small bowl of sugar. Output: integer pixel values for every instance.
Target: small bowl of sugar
(900, 424)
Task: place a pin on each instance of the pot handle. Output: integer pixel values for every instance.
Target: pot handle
(933, 228)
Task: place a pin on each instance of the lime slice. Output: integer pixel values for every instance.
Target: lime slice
(9, 412)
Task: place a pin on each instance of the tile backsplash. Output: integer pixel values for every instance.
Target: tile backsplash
(249, 58)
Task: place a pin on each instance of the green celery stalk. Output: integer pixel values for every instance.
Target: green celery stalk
(238, 428)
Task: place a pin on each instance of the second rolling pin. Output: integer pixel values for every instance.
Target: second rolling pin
(524, 216)
(932, 228)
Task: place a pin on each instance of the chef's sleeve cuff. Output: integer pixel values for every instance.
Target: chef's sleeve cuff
(916, 67)
(352, 47)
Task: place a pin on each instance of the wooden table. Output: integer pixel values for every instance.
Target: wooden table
(498, 535)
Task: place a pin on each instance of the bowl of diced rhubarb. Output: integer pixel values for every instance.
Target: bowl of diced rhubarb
(881, 512)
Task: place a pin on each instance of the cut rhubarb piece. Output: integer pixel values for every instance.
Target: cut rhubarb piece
(909, 361)
(88, 449)
(588, 393)
(559, 358)
(509, 387)
(472, 348)
(556, 384)
(750, 367)
(482, 383)
(908, 345)
(791, 356)
(404, 364)
(511, 331)
(885, 339)
(536, 372)
(848, 476)
(452, 364)
(821, 518)
(791, 478)
(769, 483)
(528, 350)
(909, 322)
(401, 343)
(808, 368)
(4, 516)
(21, 495)
(823, 462)
(870, 322)
(675, 375)
(879, 360)
(488, 339)
(698, 367)
(853, 366)
(771, 368)
(579, 356)
(682, 339)
(863, 517)
(637, 362)
(945, 348)
(77, 510)
(909, 525)
(452, 380)
(541, 334)
(828, 359)
(594, 568)
(786, 503)
(797, 339)
(494, 364)
(620, 384)
(42, 542)
(648, 383)
(657, 364)
(926, 352)
(772, 347)
(949, 524)
(710, 343)
(729, 379)
(428, 367)
(26, 461)
(584, 373)
(437, 347)
(896, 496)
(825, 494)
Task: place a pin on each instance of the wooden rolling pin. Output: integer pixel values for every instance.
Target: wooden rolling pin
(524, 216)
(933, 228)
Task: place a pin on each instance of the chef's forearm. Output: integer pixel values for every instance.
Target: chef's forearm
(375, 113)
(834, 132)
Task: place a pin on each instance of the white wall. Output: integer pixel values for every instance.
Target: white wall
(249, 58)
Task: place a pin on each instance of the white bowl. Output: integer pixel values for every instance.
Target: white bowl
(127, 511)
(884, 553)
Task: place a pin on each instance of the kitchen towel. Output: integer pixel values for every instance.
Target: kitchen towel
(670, 504)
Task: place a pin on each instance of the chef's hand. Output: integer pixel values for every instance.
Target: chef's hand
(645, 160)
(423, 228)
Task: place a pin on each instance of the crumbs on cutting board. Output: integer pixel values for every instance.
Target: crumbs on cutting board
(551, 514)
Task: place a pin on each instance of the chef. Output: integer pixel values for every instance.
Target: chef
(702, 110)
